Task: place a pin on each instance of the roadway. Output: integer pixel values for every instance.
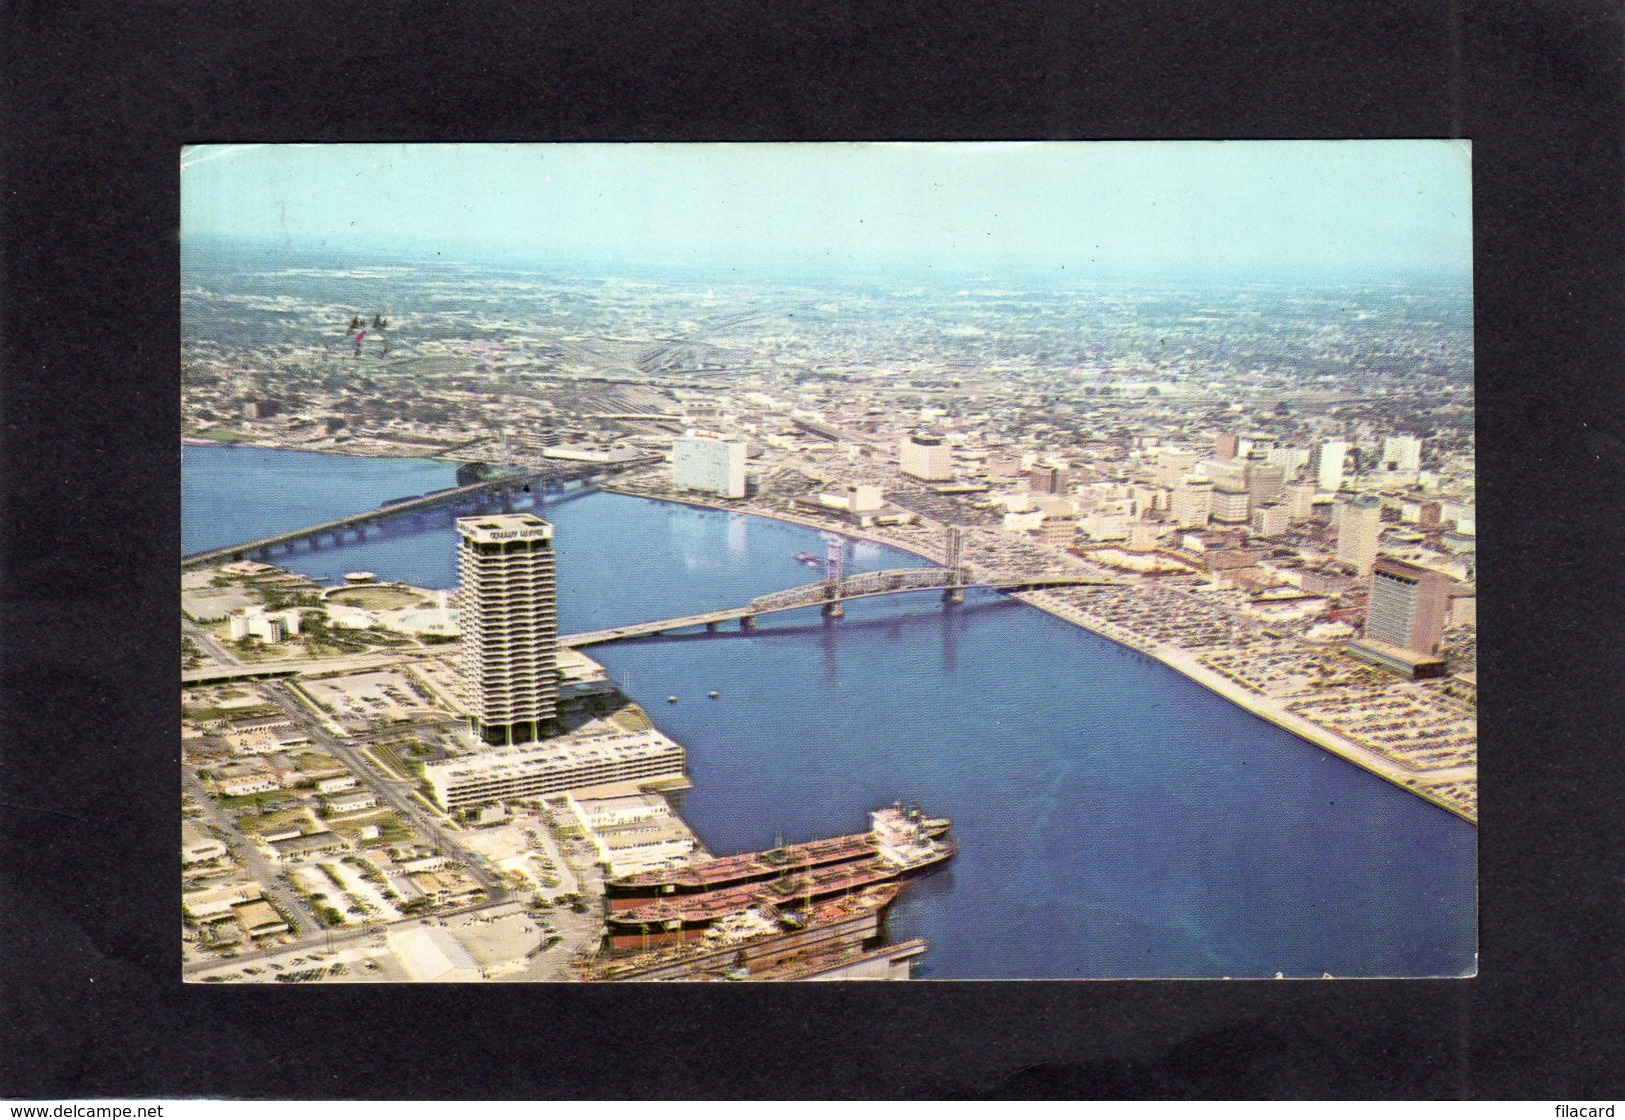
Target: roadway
(545, 474)
(399, 794)
(866, 585)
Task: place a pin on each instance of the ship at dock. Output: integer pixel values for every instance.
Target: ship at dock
(753, 867)
(680, 905)
(839, 937)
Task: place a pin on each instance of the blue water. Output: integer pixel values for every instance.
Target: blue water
(1115, 819)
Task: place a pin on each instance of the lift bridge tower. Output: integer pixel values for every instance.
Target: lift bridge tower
(952, 560)
(834, 573)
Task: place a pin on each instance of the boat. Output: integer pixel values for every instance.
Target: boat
(759, 934)
(775, 863)
(809, 559)
(897, 847)
(671, 699)
(695, 912)
(714, 695)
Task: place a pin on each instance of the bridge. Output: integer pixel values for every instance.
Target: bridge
(472, 499)
(831, 594)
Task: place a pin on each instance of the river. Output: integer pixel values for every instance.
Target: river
(1116, 820)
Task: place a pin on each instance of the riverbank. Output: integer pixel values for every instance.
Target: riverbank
(1183, 661)
(1188, 665)
(787, 518)
(1180, 660)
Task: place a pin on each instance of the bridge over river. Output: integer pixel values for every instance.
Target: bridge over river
(471, 499)
(831, 594)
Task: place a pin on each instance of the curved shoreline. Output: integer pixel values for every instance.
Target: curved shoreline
(1180, 661)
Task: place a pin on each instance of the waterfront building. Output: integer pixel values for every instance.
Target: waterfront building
(706, 463)
(925, 457)
(507, 612)
(1332, 464)
(538, 769)
(1409, 605)
(1358, 527)
(1402, 453)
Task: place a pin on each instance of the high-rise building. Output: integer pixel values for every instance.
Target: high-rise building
(1231, 506)
(1265, 481)
(1193, 503)
(1227, 474)
(1357, 531)
(704, 462)
(1225, 447)
(1333, 456)
(1402, 453)
(1270, 520)
(507, 612)
(1046, 478)
(1408, 607)
(1291, 460)
(1300, 501)
(926, 457)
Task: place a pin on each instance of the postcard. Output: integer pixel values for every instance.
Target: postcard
(779, 562)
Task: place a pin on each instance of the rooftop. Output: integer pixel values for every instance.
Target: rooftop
(504, 527)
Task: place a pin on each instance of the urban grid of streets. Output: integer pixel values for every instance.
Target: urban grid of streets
(1074, 418)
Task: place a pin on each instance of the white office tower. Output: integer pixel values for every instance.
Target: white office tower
(1291, 460)
(1233, 507)
(926, 457)
(705, 462)
(1401, 453)
(1357, 533)
(1193, 503)
(1300, 501)
(1333, 455)
(507, 611)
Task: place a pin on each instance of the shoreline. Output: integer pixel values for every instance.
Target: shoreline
(1179, 660)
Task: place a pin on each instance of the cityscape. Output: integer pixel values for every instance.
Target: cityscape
(555, 613)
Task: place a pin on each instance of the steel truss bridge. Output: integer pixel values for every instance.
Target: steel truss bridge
(476, 498)
(831, 594)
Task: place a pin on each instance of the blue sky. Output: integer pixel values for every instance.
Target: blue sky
(1332, 206)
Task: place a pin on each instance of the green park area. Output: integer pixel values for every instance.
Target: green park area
(378, 598)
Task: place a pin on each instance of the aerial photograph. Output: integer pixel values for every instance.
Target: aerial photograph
(786, 562)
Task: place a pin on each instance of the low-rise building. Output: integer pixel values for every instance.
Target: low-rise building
(198, 845)
(352, 802)
(260, 919)
(217, 903)
(299, 848)
(553, 766)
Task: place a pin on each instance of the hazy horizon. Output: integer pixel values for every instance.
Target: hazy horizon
(1347, 210)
